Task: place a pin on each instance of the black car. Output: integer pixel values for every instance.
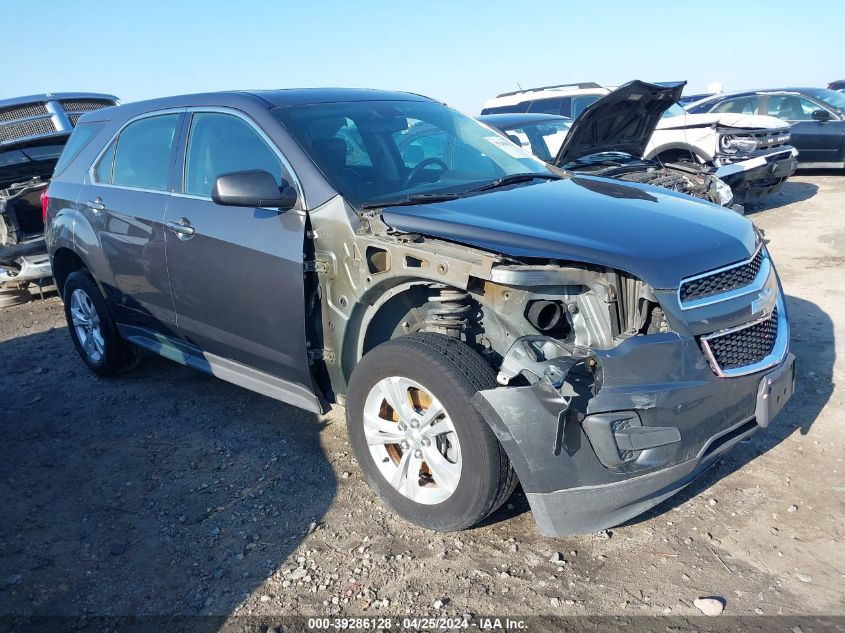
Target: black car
(609, 139)
(837, 85)
(816, 117)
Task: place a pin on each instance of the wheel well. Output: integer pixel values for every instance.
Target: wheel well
(677, 154)
(65, 261)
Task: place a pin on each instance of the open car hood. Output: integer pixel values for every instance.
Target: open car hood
(622, 121)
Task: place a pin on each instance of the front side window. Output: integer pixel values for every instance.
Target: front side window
(741, 105)
(142, 156)
(791, 107)
(833, 98)
(406, 148)
(223, 143)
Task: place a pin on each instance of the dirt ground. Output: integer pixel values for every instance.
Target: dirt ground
(165, 491)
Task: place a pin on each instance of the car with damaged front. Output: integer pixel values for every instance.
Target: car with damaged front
(750, 153)
(609, 138)
(485, 320)
(33, 133)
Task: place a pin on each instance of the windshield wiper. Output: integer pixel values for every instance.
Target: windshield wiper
(515, 178)
(414, 198)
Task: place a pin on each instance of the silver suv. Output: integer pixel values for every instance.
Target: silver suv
(484, 318)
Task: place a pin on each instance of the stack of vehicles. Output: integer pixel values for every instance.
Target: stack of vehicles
(33, 133)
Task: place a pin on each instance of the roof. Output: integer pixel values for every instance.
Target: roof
(241, 99)
(519, 118)
(544, 93)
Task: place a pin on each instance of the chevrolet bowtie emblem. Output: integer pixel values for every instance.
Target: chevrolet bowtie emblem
(764, 302)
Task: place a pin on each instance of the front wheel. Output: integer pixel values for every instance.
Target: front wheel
(421, 444)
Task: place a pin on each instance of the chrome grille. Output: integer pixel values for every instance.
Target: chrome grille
(744, 346)
(84, 105)
(721, 281)
(33, 127)
(23, 111)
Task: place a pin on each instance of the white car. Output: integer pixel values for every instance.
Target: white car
(751, 153)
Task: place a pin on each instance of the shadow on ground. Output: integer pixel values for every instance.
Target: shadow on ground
(815, 357)
(163, 491)
(792, 191)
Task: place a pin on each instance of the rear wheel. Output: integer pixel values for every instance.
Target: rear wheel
(92, 328)
(421, 444)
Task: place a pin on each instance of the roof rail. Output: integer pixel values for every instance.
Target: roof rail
(580, 86)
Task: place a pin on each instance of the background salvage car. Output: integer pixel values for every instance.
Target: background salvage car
(816, 118)
(33, 132)
(750, 153)
(609, 139)
(484, 319)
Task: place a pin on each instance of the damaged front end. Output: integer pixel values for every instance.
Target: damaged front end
(601, 430)
(23, 255)
(683, 177)
(754, 162)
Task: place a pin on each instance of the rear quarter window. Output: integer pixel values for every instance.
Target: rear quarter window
(79, 139)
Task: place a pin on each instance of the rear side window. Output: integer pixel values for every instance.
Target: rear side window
(81, 136)
(103, 170)
(142, 157)
(742, 105)
(223, 143)
(547, 106)
(577, 105)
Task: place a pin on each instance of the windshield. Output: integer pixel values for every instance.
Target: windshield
(674, 110)
(382, 151)
(543, 139)
(830, 97)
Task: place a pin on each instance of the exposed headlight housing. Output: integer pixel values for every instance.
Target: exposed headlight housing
(723, 191)
(734, 144)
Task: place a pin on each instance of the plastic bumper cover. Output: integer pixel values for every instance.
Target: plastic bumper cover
(758, 177)
(625, 429)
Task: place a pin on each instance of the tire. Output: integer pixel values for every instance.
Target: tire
(473, 476)
(92, 328)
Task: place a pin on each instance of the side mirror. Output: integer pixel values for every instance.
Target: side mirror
(820, 115)
(253, 188)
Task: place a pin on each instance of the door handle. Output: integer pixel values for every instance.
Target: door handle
(183, 228)
(96, 205)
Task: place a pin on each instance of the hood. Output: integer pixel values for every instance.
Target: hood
(622, 121)
(656, 234)
(725, 119)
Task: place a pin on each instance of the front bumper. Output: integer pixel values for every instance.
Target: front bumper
(677, 417)
(758, 177)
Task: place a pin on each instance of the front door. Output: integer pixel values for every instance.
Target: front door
(816, 141)
(236, 273)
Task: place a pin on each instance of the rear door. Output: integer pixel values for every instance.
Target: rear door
(124, 204)
(237, 281)
(816, 141)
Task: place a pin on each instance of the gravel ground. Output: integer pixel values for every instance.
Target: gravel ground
(165, 491)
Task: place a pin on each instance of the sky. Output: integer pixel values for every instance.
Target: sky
(458, 52)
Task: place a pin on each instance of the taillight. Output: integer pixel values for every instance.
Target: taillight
(44, 202)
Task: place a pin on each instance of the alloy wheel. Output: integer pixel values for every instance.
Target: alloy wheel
(86, 324)
(412, 440)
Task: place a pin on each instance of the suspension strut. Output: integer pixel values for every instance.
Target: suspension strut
(448, 316)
